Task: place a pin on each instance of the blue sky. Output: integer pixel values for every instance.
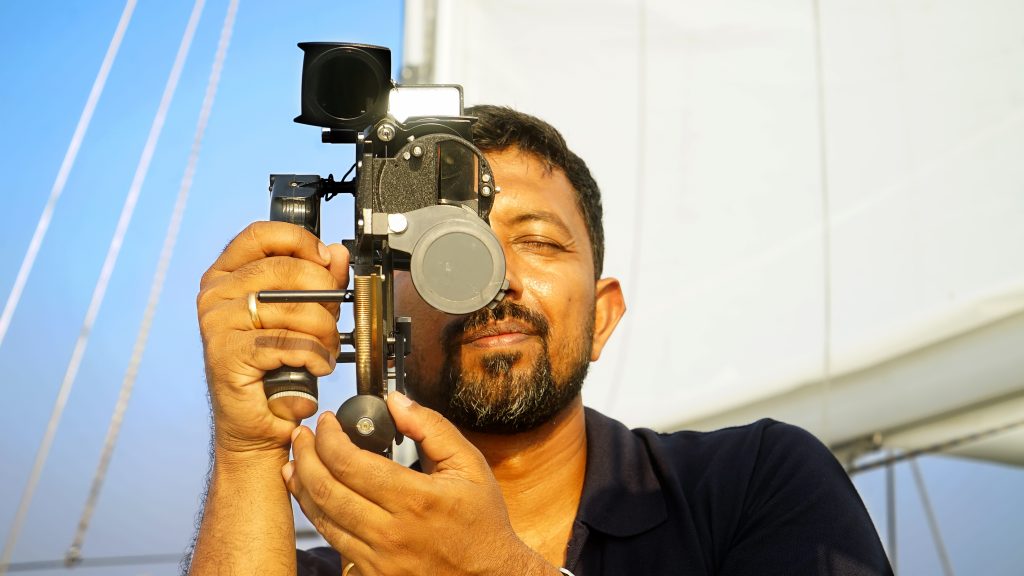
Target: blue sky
(52, 52)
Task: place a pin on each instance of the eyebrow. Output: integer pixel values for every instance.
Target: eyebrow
(541, 216)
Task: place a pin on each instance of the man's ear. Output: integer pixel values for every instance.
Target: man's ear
(609, 306)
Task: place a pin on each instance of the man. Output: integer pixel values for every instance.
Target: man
(515, 476)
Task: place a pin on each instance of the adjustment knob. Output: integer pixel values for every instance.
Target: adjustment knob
(366, 420)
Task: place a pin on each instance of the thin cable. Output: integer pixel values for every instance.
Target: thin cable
(65, 169)
(101, 285)
(890, 513)
(633, 272)
(826, 229)
(940, 546)
(74, 551)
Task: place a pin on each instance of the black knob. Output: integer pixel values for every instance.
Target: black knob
(366, 420)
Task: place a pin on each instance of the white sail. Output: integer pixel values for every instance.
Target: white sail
(816, 209)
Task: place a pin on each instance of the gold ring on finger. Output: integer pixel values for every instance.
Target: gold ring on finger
(254, 314)
(348, 568)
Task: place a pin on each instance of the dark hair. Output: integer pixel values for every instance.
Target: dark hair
(501, 128)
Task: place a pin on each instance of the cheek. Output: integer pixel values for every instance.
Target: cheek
(568, 308)
(557, 291)
(543, 289)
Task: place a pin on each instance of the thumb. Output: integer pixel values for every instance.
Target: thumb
(439, 439)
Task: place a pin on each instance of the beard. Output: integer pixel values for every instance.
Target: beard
(496, 397)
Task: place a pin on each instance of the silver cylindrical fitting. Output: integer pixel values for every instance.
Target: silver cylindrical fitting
(365, 426)
(386, 132)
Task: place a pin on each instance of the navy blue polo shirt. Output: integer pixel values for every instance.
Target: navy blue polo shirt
(764, 499)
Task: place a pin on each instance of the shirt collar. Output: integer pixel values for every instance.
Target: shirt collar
(621, 493)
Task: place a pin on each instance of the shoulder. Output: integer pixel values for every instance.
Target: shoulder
(763, 448)
(713, 477)
(773, 486)
(766, 435)
(739, 455)
(748, 492)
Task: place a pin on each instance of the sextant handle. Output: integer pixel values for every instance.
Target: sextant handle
(295, 198)
(291, 392)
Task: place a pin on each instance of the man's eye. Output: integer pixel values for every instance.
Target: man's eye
(539, 245)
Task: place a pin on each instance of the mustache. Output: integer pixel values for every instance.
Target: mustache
(459, 327)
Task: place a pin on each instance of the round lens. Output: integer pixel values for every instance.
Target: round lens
(456, 267)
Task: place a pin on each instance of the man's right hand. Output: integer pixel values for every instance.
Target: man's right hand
(265, 256)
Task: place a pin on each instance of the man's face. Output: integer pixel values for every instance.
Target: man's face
(513, 368)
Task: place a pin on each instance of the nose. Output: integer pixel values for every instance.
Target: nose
(512, 269)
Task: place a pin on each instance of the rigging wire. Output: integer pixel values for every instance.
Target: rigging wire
(893, 458)
(65, 169)
(167, 252)
(890, 515)
(826, 227)
(101, 285)
(926, 502)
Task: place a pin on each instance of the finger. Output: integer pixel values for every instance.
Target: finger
(266, 350)
(340, 539)
(438, 438)
(263, 239)
(339, 263)
(331, 503)
(349, 548)
(273, 273)
(305, 317)
(376, 478)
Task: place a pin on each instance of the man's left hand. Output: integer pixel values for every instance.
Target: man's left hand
(388, 519)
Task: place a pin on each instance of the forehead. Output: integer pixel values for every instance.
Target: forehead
(529, 188)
